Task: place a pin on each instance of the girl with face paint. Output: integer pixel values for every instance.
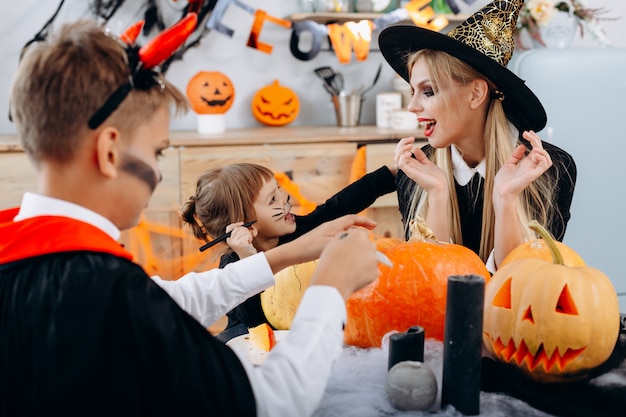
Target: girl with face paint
(227, 197)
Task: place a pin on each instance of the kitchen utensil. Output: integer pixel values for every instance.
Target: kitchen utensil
(327, 74)
(380, 67)
(330, 90)
(337, 82)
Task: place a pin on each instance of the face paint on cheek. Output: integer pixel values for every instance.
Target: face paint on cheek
(136, 167)
(279, 214)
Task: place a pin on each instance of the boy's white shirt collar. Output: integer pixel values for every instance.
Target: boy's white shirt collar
(34, 205)
(462, 172)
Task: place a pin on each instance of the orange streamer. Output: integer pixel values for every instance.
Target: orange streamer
(294, 191)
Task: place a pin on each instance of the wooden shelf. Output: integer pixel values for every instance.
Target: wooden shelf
(454, 19)
(266, 135)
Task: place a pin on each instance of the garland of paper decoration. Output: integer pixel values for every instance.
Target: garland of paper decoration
(343, 37)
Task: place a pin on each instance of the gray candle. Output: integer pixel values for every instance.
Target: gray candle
(462, 343)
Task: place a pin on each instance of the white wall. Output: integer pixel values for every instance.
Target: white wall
(249, 68)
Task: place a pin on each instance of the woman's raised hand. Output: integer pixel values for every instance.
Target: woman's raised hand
(419, 168)
(520, 170)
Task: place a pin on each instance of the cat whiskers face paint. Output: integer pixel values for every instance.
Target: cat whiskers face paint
(282, 211)
(280, 214)
(136, 167)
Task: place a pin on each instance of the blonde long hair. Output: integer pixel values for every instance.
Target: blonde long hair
(535, 202)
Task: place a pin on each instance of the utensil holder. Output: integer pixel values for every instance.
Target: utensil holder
(348, 109)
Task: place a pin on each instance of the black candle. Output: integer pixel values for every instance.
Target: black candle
(408, 346)
(462, 343)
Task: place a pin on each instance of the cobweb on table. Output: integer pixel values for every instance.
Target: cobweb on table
(357, 388)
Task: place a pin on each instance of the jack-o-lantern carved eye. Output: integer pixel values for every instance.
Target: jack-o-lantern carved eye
(503, 297)
(528, 315)
(566, 304)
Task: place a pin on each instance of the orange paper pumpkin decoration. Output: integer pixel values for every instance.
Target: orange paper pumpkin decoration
(554, 322)
(275, 105)
(412, 292)
(210, 92)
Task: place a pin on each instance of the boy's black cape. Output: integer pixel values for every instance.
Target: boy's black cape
(84, 331)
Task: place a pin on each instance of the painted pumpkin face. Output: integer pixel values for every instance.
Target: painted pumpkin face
(210, 92)
(275, 105)
(555, 323)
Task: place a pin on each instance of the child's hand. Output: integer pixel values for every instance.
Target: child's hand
(240, 239)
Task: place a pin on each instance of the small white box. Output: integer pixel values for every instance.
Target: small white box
(385, 104)
(403, 120)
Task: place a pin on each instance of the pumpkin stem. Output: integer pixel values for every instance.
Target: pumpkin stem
(557, 257)
(420, 232)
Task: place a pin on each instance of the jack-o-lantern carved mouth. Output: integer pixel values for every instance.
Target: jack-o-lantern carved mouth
(213, 103)
(274, 117)
(509, 352)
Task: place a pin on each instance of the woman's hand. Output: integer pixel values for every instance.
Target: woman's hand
(520, 170)
(420, 169)
(240, 239)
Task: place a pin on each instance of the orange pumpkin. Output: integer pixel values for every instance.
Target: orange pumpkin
(538, 248)
(275, 105)
(412, 292)
(210, 92)
(554, 322)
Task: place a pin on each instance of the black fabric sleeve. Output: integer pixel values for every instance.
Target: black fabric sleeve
(564, 169)
(352, 199)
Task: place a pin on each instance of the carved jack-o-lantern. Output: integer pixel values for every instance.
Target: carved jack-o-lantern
(275, 105)
(210, 92)
(556, 323)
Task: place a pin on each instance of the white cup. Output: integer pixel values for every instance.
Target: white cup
(385, 104)
(403, 120)
(211, 123)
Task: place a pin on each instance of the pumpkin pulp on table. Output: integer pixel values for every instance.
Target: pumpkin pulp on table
(262, 336)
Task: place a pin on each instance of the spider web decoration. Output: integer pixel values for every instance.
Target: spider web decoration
(204, 12)
(105, 9)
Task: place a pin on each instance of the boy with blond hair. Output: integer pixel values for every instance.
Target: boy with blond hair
(84, 330)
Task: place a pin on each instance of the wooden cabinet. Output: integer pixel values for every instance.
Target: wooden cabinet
(319, 160)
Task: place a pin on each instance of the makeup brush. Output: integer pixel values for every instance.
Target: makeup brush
(223, 237)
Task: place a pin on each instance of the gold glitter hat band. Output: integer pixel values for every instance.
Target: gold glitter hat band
(484, 41)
